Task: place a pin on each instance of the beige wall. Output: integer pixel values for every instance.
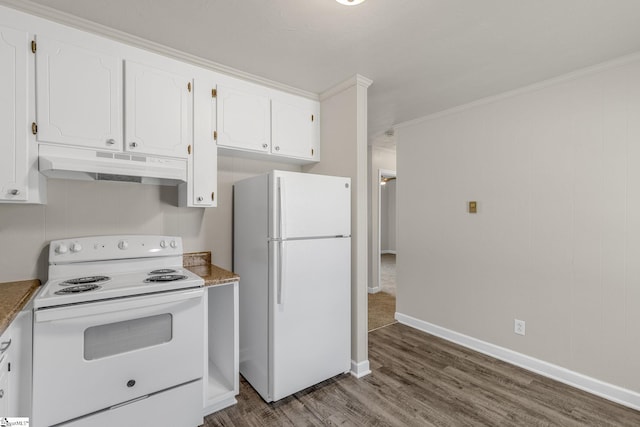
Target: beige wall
(82, 208)
(379, 158)
(344, 153)
(556, 240)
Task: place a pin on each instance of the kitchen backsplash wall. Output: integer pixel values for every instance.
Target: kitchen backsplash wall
(85, 208)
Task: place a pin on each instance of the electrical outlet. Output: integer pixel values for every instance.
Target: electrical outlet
(518, 326)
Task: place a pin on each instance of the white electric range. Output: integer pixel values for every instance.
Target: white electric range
(119, 330)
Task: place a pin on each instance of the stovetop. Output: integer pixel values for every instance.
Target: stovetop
(92, 269)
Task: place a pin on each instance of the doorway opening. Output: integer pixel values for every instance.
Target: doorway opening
(382, 298)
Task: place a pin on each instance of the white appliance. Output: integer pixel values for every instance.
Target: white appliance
(292, 249)
(94, 165)
(118, 335)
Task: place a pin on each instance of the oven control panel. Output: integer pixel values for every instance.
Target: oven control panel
(102, 248)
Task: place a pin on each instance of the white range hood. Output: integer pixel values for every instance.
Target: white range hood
(89, 165)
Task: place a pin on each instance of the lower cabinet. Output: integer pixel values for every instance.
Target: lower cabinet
(15, 367)
(221, 380)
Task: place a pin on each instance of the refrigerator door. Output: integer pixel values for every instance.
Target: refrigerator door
(307, 205)
(310, 313)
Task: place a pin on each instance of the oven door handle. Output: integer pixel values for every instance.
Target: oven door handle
(114, 306)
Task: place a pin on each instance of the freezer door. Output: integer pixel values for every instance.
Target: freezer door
(307, 205)
(310, 313)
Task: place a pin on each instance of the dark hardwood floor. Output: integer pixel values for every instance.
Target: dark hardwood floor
(420, 380)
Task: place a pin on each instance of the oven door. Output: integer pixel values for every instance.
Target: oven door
(92, 356)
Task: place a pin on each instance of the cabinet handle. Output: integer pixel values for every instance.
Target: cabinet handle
(189, 86)
(131, 383)
(5, 346)
(312, 118)
(133, 144)
(264, 146)
(111, 141)
(34, 128)
(277, 148)
(189, 149)
(14, 192)
(312, 152)
(1, 394)
(200, 198)
(213, 196)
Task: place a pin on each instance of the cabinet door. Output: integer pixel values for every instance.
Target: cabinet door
(294, 130)
(13, 114)
(205, 151)
(159, 111)
(78, 96)
(4, 390)
(243, 120)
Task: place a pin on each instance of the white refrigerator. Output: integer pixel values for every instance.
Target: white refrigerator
(292, 250)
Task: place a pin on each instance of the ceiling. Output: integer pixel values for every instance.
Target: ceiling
(423, 56)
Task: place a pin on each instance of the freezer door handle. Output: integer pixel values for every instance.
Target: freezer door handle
(281, 268)
(281, 208)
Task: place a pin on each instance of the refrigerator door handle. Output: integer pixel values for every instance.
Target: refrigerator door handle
(281, 269)
(281, 208)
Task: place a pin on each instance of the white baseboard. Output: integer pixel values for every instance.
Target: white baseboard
(374, 290)
(386, 251)
(591, 385)
(361, 369)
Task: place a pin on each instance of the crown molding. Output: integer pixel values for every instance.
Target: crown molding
(573, 75)
(355, 80)
(73, 21)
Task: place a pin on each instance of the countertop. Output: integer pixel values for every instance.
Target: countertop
(13, 297)
(200, 264)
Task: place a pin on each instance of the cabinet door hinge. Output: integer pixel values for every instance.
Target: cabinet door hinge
(214, 93)
(189, 149)
(189, 86)
(34, 46)
(213, 196)
(215, 135)
(34, 128)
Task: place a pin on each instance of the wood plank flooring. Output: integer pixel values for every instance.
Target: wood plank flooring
(421, 380)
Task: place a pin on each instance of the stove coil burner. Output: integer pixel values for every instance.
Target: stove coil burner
(165, 278)
(163, 271)
(85, 280)
(76, 289)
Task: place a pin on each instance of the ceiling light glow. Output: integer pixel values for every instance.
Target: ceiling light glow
(350, 2)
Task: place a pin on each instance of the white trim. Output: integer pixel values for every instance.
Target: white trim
(525, 89)
(387, 251)
(375, 290)
(591, 385)
(356, 80)
(73, 21)
(360, 369)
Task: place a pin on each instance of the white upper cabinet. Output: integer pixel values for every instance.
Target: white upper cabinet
(261, 122)
(243, 119)
(295, 130)
(201, 186)
(159, 111)
(14, 167)
(79, 95)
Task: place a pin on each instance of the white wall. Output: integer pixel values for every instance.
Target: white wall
(556, 240)
(83, 208)
(378, 158)
(388, 217)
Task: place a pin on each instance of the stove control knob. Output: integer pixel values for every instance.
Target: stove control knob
(163, 244)
(76, 247)
(62, 249)
(174, 244)
(123, 244)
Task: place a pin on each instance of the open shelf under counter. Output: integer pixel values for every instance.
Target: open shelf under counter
(222, 363)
